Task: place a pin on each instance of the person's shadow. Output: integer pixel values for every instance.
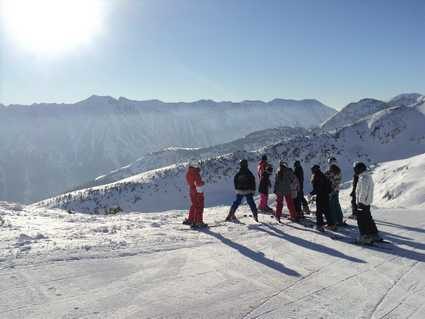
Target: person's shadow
(274, 231)
(254, 255)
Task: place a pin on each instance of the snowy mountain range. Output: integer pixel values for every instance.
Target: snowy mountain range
(390, 134)
(47, 149)
(358, 110)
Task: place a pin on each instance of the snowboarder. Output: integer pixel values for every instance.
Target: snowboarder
(196, 193)
(262, 165)
(364, 198)
(263, 189)
(335, 177)
(300, 200)
(321, 188)
(244, 183)
(282, 188)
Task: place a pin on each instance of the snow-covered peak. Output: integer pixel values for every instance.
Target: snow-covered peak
(354, 112)
(407, 99)
(97, 100)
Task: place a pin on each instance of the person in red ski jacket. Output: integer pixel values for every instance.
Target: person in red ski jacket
(262, 165)
(196, 193)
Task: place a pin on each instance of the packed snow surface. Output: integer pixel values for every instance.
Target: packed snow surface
(59, 265)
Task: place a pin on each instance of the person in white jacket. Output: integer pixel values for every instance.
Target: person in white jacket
(364, 198)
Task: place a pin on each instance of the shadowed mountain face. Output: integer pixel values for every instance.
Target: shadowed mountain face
(47, 149)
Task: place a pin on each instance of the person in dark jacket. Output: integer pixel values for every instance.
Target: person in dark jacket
(321, 188)
(300, 200)
(335, 177)
(264, 188)
(283, 188)
(244, 183)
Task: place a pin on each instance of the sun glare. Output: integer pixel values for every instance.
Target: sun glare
(52, 26)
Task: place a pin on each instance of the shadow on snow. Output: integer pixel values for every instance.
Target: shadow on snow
(254, 255)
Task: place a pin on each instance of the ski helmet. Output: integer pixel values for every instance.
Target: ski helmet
(194, 164)
(243, 163)
(283, 163)
(332, 160)
(360, 168)
(315, 168)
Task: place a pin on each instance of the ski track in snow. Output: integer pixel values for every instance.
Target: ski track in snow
(241, 271)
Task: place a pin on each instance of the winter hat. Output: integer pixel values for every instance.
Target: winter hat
(315, 168)
(264, 157)
(360, 168)
(283, 163)
(297, 164)
(243, 163)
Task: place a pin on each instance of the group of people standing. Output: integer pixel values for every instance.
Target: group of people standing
(288, 188)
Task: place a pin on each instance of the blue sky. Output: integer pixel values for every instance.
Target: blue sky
(334, 50)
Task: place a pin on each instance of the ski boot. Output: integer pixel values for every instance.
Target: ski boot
(187, 222)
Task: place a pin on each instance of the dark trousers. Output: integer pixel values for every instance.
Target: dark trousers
(299, 202)
(335, 208)
(365, 221)
(322, 208)
(249, 200)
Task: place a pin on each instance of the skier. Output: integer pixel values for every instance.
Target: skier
(321, 188)
(300, 200)
(263, 189)
(364, 197)
(262, 165)
(353, 195)
(244, 183)
(282, 188)
(334, 176)
(196, 193)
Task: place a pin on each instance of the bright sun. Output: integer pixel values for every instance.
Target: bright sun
(52, 26)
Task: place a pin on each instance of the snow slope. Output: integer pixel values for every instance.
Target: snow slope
(401, 183)
(407, 99)
(50, 148)
(175, 155)
(59, 265)
(354, 112)
(391, 134)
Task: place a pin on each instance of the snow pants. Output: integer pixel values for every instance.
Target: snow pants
(263, 201)
(249, 200)
(289, 202)
(322, 208)
(196, 210)
(365, 221)
(335, 208)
